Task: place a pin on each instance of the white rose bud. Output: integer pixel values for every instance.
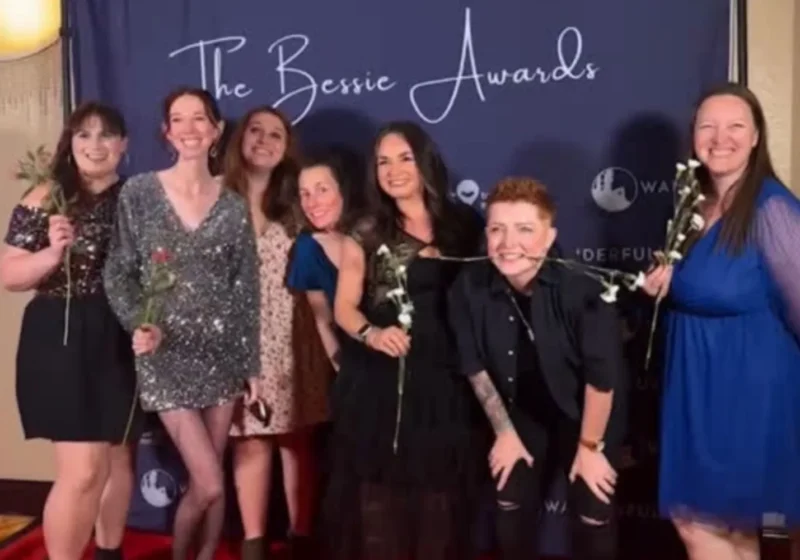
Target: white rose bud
(405, 319)
(638, 282)
(698, 223)
(674, 256)
(610, 295)
(383, 250)
(396, 293)
(694, 164)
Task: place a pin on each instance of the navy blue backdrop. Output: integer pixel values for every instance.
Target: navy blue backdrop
(594, 98)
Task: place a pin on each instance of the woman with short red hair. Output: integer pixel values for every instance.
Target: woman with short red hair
(544, 355)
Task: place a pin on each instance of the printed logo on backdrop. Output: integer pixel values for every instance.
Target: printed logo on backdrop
(159, 488)
(296, 82)
(615, 189)
(469, 192)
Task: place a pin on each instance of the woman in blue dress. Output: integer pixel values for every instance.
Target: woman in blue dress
(730, 436)
(329, 202)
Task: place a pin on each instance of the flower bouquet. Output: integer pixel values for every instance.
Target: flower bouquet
(405, 311)
(685, 224)
(34, 169)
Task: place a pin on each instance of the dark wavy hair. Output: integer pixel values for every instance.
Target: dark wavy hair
(737, 220)
(63, 169)
(211, 109)
(277, 201)
(446, 215)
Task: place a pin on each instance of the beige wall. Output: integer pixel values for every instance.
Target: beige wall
(30, 114)
(774, 75)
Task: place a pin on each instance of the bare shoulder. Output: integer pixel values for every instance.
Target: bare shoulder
(36, 197)
(351, 247)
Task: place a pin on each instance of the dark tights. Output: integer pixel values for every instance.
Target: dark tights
(200, 437)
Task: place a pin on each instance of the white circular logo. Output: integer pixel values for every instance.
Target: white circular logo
(468, 191)
(614, 189)
(158, 488)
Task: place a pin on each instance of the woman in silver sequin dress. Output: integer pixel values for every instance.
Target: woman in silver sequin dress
(195, 361)
(78, 393)
(295, 371)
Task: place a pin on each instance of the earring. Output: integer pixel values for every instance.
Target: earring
(213, 151)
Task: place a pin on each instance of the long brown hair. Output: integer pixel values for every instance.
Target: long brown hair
(736, 221)
(277, 201)
(63, 168)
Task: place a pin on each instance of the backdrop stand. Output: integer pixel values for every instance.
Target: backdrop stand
(66, 60)
(741, 40)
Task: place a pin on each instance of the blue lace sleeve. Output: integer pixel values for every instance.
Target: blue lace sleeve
(778, 238)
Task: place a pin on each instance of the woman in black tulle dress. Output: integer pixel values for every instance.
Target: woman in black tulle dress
(401, 485)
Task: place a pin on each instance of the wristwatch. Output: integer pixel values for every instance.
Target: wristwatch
(596, 446)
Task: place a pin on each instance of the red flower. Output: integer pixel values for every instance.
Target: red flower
(160, 256)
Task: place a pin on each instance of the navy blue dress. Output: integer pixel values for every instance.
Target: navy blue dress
(731, 416)
(310, 269)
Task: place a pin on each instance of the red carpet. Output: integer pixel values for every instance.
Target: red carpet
(136, 546)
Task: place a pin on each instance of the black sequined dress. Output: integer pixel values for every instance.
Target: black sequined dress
(415, 503)
(83, 390)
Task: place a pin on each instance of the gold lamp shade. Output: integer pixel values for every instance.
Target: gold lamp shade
(27, 27)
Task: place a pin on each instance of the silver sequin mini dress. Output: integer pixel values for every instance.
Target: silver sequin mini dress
(210, 317)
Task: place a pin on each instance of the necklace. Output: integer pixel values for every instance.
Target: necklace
(521, 316)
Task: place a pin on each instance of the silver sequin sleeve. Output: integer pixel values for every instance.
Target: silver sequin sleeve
(246, 297)
(122, 271)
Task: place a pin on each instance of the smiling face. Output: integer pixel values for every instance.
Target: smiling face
(320, 197)
(190, 128)
(517, 233)
(398, 174)
(96, 151)
(264, 142)
(725, 135)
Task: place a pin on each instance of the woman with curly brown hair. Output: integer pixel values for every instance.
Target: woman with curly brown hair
(260, 165)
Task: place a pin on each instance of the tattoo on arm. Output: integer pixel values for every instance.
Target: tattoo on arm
(491, 402)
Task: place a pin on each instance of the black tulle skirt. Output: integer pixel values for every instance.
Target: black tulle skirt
(83, 391)
(415, 503)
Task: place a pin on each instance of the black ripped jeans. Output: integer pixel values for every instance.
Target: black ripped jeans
(553, 444)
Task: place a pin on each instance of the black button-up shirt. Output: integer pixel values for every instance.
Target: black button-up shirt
(578, 336)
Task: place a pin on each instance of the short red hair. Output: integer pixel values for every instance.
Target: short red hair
(523, 189)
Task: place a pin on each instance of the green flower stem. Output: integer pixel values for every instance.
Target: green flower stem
(68, 273)
(401, 383)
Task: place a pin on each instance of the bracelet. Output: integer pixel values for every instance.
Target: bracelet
(363, 332)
